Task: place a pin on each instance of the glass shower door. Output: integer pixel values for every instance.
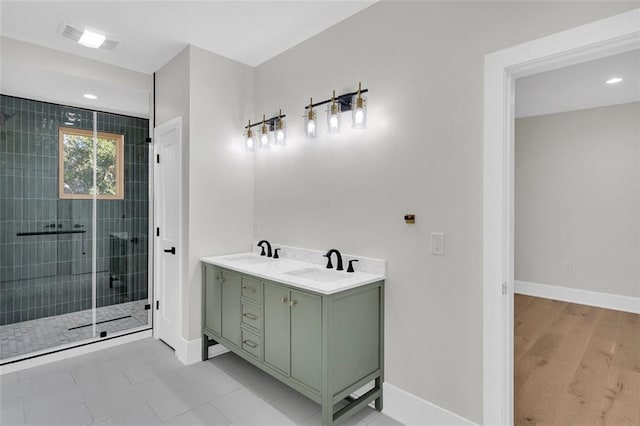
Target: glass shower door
(73, 226)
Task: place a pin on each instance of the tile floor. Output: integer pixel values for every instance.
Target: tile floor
(44, 333)
(142, 383)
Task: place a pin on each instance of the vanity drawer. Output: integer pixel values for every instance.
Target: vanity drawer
(251, 289)
(251, 343)
(252, 316)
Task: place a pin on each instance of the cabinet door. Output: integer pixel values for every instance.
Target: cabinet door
(231, 307)
(213, 299)
(276, 327)
(306, 339)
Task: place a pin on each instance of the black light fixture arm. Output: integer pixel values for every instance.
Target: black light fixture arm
(344, 100)
(271, 122)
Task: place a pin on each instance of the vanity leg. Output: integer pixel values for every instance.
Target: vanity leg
(378, 402)
(327, 413)
(205, 347)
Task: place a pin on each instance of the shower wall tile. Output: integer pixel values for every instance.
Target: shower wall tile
(49, 275)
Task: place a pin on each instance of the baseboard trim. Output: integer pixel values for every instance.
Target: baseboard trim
(582, 297)
(189, 351)
(412, 410)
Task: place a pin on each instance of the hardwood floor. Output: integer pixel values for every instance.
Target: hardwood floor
(575, 364)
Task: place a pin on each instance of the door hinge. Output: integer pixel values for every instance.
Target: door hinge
(157, 305)
(504, 288)
(147, 306)
(149, 140)
(157, 158)
(157, 232)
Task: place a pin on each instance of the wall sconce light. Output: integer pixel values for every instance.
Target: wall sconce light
(310, 128)
(264, 134)
(359, 111)
(280, 131)
(267, 126)
(333, 115)
(249, 140)
(354, 102)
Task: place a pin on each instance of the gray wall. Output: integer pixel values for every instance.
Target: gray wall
(422, 154)
(577, 199)
(214, 95)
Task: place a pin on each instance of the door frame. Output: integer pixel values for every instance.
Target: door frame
(617, 34)
(174, 124)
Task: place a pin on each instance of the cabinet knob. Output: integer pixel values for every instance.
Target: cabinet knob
(293, 302)
(283, 299)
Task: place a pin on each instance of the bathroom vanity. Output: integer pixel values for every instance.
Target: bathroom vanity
(318, 330)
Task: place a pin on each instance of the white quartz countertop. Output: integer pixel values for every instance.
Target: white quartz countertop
(304, 275)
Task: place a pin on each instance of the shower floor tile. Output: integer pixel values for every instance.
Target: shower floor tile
(45, 333)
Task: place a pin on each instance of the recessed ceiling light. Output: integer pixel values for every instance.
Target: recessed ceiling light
(90, 96)
(614, 80)
(91, 39)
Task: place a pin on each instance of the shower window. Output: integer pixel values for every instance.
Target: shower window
(76, 164)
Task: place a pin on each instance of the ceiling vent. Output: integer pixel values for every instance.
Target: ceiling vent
(74, 34)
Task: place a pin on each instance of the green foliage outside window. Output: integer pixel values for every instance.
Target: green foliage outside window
(77, 165)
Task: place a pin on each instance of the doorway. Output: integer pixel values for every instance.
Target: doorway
(168, 231)
(617, 34)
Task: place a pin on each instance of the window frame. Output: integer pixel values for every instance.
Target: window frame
(119, 139)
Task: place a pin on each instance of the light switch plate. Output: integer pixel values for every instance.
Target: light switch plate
(437, 243)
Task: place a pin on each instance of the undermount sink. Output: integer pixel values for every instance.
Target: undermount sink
(318, 275)
(248, 259)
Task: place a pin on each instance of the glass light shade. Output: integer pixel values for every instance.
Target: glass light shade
(280, 133)
(250, 142)
(264, 136)
(310, 124)
(359, 112)
(264, 140)
(333, 118)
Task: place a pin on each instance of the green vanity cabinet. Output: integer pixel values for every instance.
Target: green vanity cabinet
(325, 346)
(293, 334)
(276, 328)
(306, 339)
(222, 289)
(212, 299)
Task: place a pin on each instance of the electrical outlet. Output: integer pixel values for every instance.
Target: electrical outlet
(437, 243)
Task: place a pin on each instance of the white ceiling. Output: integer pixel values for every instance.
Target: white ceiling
(580, 86)
(152, 32)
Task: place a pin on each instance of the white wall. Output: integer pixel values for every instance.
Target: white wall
(36, 72)
(220, 172)
(422, 154)
(577, 199)
(171, 101)
(214, 95)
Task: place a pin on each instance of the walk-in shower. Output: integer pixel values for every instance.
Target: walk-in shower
(74, 226)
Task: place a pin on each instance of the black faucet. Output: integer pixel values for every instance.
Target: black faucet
(275, 253)
(350, 268)
(339, 256)
(262, 247)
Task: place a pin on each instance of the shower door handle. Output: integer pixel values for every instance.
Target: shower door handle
(172, 250)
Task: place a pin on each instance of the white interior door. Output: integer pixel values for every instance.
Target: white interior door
(168, 219)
